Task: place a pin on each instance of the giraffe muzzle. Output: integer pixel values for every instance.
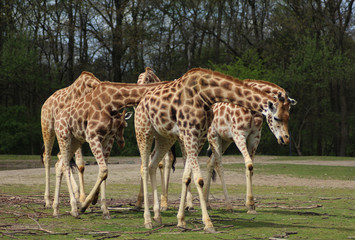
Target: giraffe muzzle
(284, 140)
(121, 144)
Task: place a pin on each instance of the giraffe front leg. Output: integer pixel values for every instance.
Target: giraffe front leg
(106, 213)
(66, 144)
(147, 218)
(189, 199)
(107, 150)
(165, 176)
(253, 142)
(249, 198)
(48, 138)
(156, 206)
(199, 185)
(220, 171)
(186, 180)
(240, 141)
(59, 177)
(81, 168)
(140, 196)
(97, 150)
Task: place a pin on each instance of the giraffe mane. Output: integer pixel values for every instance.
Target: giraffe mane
(89, 73)
(265, 83)
(228, 77)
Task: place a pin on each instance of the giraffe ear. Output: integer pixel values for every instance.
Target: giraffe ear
(292, 101)
(128, 115)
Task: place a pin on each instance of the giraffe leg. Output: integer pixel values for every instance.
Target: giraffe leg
(253, 142)
(217, 155)
(192, 164)
(186, 180)
(162, 146)
(218, 146)
(59, 177)
(189, 198)
(139, 201)
(65, 145)
(144, 137)
(81, 168)
(107, 151)
(240, 141)
(97, 149)
(48, 138)
(165, 176)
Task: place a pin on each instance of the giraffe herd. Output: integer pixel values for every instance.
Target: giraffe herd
(201, 105)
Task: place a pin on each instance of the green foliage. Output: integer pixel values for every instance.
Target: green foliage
(312, 77)
(17, 130)
(249, 66)
(22, 80)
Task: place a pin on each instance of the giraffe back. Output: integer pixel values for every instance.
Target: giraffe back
(83, 85)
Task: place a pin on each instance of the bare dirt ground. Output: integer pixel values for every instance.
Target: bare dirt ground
(127, 171)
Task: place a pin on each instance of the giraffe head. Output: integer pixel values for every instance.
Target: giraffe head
(120, 124)
(277, 117)
(147, 77)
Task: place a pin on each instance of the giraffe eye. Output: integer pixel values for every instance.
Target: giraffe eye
(277, 119)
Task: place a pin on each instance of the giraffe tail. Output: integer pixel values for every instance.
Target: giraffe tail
(42, 152)
(73, 165)
(174, 155)
(209, 154)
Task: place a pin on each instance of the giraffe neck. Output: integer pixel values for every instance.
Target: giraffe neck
(121, 95)
(267, 87)
(215, 87)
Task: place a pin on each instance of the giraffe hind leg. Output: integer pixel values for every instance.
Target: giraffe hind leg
(48, 139)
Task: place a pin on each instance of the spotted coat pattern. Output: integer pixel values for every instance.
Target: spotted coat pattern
(182, 109)
(84, 84)
(96, 119)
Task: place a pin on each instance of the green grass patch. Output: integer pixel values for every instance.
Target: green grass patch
(313, 158)
(297, 170)
(292, 212)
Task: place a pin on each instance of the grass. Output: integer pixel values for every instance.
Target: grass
(291, 212)
(301, 171)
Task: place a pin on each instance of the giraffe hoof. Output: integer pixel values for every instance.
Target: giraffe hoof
(148, 225)
(182, 225)
(106, 217)
(190, 208)
(83, 209)
(158, 220)
(229, 207)
(137, 208)
(252, 211)
(74, 214)
(163, 209)
(210, 230)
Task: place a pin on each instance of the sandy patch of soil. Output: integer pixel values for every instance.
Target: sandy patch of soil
(128, 172)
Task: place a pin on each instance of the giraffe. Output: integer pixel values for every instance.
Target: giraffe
(168, 160)
(84, 84)
(182, 109)
(96, 119)
(229, 122)
(242, 126)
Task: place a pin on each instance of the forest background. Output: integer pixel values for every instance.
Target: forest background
(305, 46)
